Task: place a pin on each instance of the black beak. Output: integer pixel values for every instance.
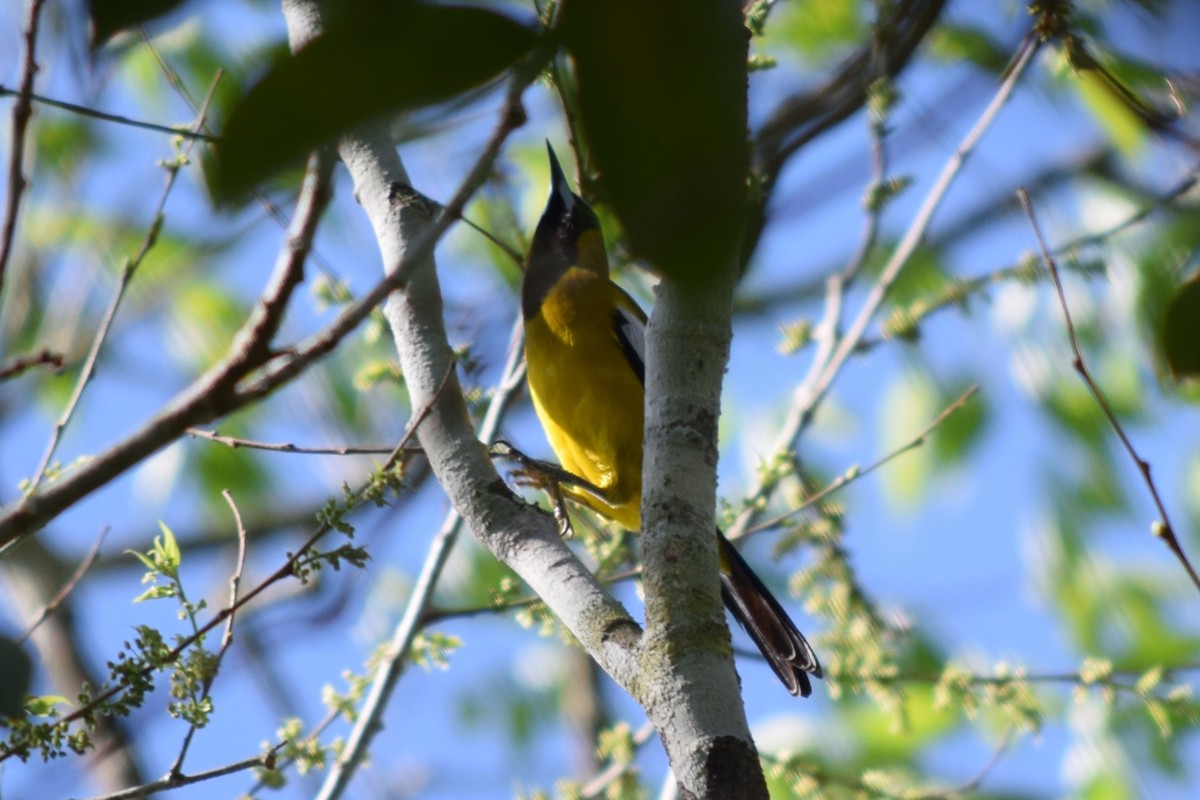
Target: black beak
(558, 181)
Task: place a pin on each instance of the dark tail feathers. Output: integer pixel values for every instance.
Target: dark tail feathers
(752, 604)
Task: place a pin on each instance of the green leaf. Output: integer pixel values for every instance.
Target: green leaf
(908, 403)
(169, 550)
(376, 371)
(216, 468)
(43, 705)
(818, 28)
(109, 17)
(1124, 127)
(955, 43)
(155, 593)
(922, 279)
(1181, 330)
(205, 317)
(647, 72)
(381, 57)
(145, 559)
(953, 439)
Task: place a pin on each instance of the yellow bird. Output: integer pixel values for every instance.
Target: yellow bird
(586, 365)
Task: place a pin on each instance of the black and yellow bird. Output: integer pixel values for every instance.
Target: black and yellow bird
(586, 365)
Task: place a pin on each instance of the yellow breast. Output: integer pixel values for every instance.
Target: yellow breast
(588, 397)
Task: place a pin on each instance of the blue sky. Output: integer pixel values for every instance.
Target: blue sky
(961, 561)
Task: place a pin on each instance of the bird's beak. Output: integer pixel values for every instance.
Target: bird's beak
(558, 181)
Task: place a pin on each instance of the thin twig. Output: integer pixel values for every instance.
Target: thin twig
(176, 769)
(69, 587)
(279, 765)
(1162, 527)
(916, 232)
(131, 266)
(236, 579)
(862, 788)
(415, 616)
(596, 785)
(22, 110)
(821, 376)
(1072, 678)
(296, 359)
(212, 394)
(288, 569)
(807, 289)
(958, 292)
(513, 254)
(177, 85)
(288, 447)
(976, 780)
(1162, 201)
(855, 472)
(175, 130)
(21, 363)
(837, 283)
(432, 616)
(175, 781)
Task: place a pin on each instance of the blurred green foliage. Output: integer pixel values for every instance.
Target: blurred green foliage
(655, 110)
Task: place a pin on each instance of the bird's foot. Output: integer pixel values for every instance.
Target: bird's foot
(545, 476)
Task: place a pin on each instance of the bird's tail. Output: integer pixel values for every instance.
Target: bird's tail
(756, 609)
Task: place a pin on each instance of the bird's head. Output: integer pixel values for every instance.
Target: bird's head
(568, 235)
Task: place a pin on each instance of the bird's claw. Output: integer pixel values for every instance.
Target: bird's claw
(543, 476)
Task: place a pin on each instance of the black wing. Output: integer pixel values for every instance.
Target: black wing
(631, 333)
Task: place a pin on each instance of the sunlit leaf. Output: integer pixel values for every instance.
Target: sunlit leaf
(817, 28)
(907, 405)
(1123, 126)
(204, 318)
(43, 705)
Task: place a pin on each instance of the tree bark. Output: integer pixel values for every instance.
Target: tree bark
(683, 675)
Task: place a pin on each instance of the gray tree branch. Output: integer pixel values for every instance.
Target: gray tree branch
(524, 539)
(688, 655)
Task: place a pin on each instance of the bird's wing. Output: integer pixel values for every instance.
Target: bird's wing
(629, 324)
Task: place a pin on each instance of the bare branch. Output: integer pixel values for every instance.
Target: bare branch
(187, 132)
(803, 117)
(415, 616)
(1162, 527)
(856, 472)
(176, 780)
(22, 110)
(288, 447)
(212, 394)
(131, 266)
(816, 390)
(18, 365)
(822, 374)
(70, 585)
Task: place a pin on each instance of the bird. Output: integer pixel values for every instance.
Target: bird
(585, 366)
